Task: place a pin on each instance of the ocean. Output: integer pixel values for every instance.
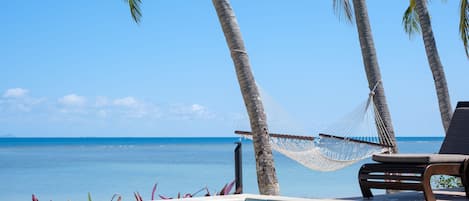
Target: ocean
(62, 169)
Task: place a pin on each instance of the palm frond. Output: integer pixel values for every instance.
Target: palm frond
(464, 24)
(343, 9)
(410, 20)
(135, 11)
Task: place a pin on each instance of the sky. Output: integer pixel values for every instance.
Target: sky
(70, 68)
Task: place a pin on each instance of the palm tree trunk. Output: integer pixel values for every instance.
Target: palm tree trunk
(435, 64)
(266, 175)
(373, 73)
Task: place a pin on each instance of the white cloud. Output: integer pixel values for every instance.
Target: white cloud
(194, 111)
(72, 100)
(18, 100)
(202, 111)
(133, 108)
(197, 108)
(15, 93)
(101, 101)
(127, 102)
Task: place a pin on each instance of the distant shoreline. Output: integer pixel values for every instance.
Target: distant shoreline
(93, 141)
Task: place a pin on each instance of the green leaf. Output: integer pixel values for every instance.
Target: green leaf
(464, 25)
(135, 10)
(89, 196)
(410, 20)
(343, 9)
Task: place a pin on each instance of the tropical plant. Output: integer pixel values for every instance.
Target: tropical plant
(370, 60)
(411, 22)
(118, 197)
(445, 181)
(34, 198)
(464, 24)
(224, 191)
(265, 168)
(417, 20)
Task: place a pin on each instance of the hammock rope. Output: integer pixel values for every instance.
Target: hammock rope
(328, 152)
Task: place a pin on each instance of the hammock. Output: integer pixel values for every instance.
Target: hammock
(328, 152)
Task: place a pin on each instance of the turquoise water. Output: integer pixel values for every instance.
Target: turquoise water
(68, 168)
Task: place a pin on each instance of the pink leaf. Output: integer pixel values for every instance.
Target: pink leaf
(228, 188)
(34, 198)
(165, 198)
(137, 196)
(153, 191)
(119, 197)
(222, 191)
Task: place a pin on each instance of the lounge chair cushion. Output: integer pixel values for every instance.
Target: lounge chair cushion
(420, 158)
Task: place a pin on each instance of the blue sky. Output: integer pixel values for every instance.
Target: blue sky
(70, 68)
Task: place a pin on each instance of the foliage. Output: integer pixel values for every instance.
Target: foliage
(343, 9)
(464, 24)
(117, 197)
(35, 198)
(410, 21)
(135, 10)
(445, 181)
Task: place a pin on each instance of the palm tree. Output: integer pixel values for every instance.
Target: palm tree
(266, 174)
(416, 19)
(411, 22)
(464, 24)
(370, 60)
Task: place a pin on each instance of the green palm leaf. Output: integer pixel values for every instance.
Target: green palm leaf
(343, 8)
(464, 25)
(135, 11)
(410, 21)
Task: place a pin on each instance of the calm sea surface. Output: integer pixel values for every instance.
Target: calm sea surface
(62, 169)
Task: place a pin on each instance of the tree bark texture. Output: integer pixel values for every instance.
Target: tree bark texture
(435, 64)
(372, 70)
(266, 175)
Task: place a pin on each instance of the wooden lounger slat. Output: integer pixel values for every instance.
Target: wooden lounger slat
(394, 185)
(392, 177)
(353, 140)
(393, 168)
(299, 137)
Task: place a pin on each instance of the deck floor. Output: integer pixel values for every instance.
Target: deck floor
(442, 195)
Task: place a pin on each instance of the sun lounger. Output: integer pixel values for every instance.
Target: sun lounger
(413, 171)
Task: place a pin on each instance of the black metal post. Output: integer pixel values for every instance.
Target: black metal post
(238, 168)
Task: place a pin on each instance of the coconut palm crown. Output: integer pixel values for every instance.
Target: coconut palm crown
(411, 23)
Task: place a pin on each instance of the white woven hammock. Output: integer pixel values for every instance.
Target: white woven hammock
(329, 152)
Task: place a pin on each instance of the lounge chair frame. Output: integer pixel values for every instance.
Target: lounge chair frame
(416, 176)
(409, 176)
